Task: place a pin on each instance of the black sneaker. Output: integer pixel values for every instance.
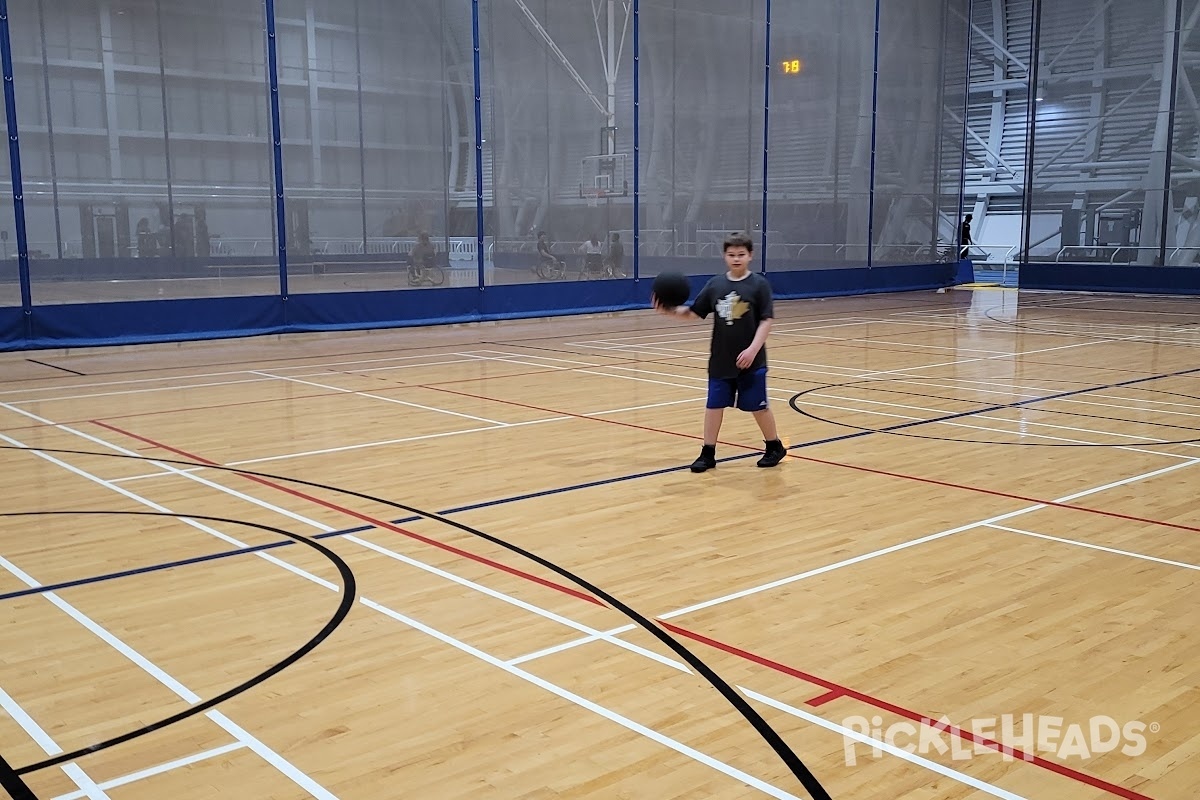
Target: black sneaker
(706, 460)
(775, 453)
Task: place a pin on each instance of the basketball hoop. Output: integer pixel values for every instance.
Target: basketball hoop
(592, 196)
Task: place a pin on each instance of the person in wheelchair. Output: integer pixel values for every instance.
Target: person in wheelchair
(547, 261)
(593, 257)
(423, 256)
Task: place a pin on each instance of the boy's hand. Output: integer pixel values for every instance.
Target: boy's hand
(670, 311)
(746, 357)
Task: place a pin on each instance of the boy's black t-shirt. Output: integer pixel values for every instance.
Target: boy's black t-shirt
(740, 306)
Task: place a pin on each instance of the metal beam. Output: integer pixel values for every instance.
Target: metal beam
(1066, 48)
(561, 56)
(611, 51)
(1000, 47)
(995, 155)
(1094, 125)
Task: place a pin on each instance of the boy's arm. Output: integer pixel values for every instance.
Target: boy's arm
(760, 336)
(746, 357)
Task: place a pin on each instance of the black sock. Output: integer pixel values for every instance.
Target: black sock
(708, 451)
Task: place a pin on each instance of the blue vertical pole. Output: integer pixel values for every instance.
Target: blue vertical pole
(766, 133)
(277, 146)
(14, 157)
(637, 140)
(874, 130)
(479, 237)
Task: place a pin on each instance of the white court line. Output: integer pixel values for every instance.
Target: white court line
(784, 392)
(320, 526)
(298, 777)
(305, 782)
(151, 475)
(134, 777)
(989, 418)
(37, 400)
(1101, 548)
(849, 372)
(898, 752)
(380, 397)
(138, 498)
(840, 322)
(386, 442)
(701, 355)
(1012, 390)
(48, 745)
(504, 598)
(84, 782)
(859, 559)
(477, 587)
(27, 723)
(1019, 354)
(955, 348)
(1134, 408)
(194, 376)
(135, 391)
(343, 368)
(583, 702)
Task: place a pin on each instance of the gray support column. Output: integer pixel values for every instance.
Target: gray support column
(112, 123)
(1156, 175)
(312, 72)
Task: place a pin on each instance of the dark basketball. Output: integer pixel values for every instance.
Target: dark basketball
(672, 288)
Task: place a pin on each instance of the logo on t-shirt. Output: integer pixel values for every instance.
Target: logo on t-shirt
(732, 307)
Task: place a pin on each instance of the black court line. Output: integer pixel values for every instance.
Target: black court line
(858, 433)
(349, 595)
(183, 562)
(11, 782)
(893, 429)
(1010, 443)
(55, 366)
(543, 493)
(733, 697)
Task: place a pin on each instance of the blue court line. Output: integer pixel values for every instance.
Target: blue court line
(578, 486)
(53, 587)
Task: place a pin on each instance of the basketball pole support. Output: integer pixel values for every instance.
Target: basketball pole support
(637, 130)
(766, 131)
(14, 157)
(277, 145)
(479, 231)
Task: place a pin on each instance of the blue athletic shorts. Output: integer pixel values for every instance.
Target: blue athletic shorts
(749, 389)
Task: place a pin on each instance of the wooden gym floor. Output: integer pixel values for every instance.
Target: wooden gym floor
(986, 535)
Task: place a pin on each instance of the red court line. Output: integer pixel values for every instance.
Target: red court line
(834, 690)
(829, 696)
(825, 462)
(367, 518)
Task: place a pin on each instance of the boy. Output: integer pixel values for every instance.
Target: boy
(737, 362)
